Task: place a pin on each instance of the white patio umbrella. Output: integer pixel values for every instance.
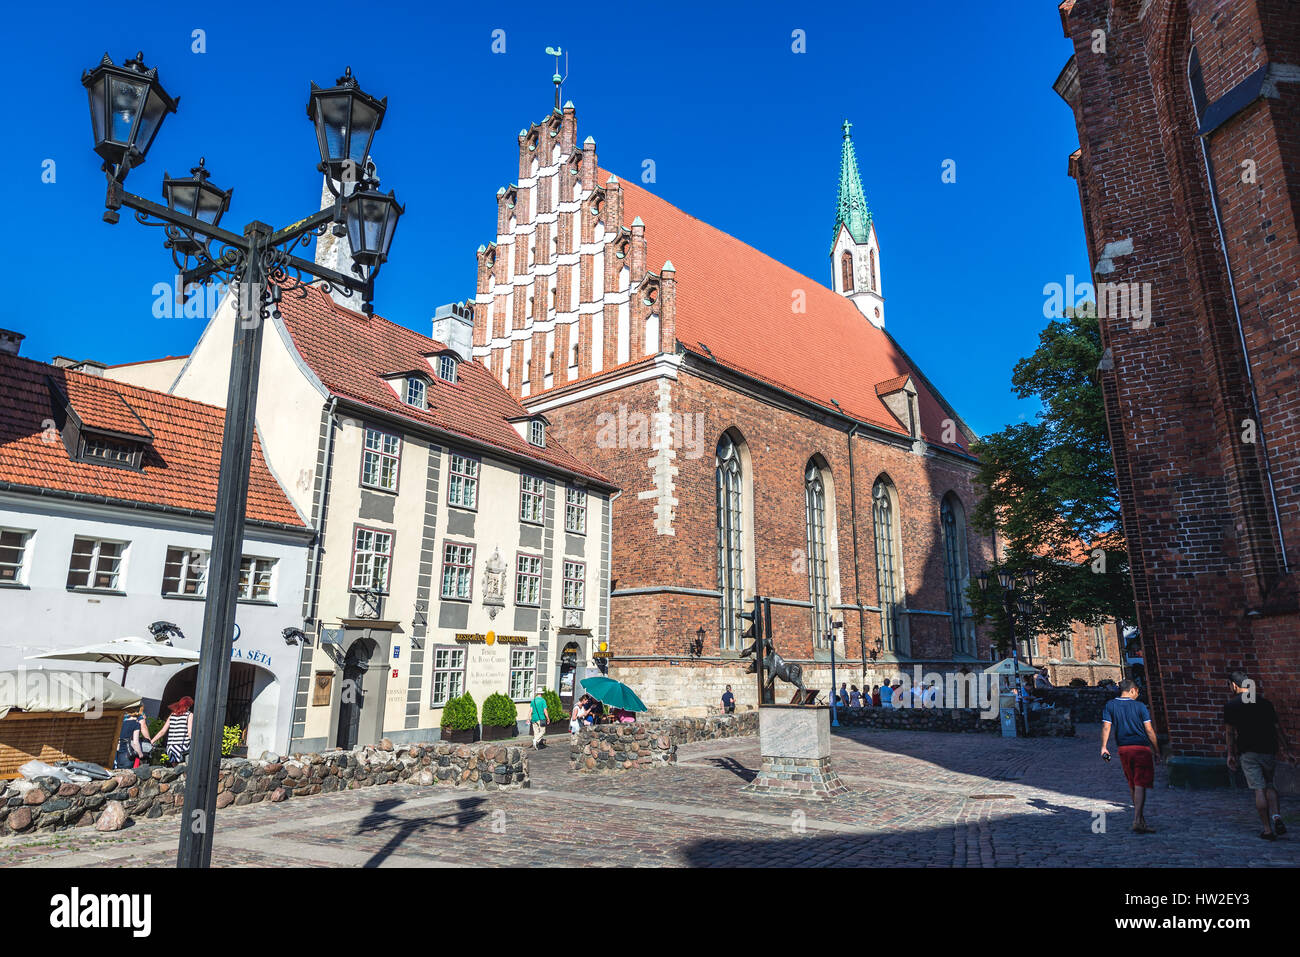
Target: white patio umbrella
(125, 652)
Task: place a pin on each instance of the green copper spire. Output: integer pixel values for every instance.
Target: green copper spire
(851, 209)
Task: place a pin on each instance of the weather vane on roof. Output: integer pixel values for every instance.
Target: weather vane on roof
(557, 79)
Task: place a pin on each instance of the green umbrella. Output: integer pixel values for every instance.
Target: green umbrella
(613, 693)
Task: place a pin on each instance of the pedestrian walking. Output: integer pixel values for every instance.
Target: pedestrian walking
(133, 741)
(1255, 739)
(179, 730)
(1138, 750)
(579, 714)
(728, 701)
(539, 717)
(844, 694)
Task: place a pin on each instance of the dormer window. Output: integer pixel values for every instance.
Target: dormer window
(99, 448)
(537, 433)
(447, 368)
(417, 393)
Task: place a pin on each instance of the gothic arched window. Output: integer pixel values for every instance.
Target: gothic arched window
(818, 576)
(871, 255)
(846, 271)
(956, 569)
(729, 476)
(889, 566)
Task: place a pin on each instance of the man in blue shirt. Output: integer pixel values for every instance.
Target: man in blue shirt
(886, 695)
(1138, 750)
(728, 701)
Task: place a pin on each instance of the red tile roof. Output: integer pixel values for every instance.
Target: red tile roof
(180, 464)
(351, 353)
(738, 301)
(102, 408)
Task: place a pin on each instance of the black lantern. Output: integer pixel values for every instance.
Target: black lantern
(1006, 577)
(194, 196)
(695, 646)
(127, 106)
(1025, 606)
(1031, 578)
(983, 578)
(346, 119)
(372, 220)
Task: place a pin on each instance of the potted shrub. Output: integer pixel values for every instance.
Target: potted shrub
(460, 720)
(499, 717)
(559, 718)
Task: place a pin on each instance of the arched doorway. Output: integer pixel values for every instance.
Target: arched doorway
(352, 692)
(252, 701)
(568, 668)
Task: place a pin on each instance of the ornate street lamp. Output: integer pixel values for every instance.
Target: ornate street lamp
(194, 196)
(372, 220)
(127, 106)
(1006, 578)
(346, 120)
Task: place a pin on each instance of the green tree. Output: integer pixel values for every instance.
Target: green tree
(1049, 489)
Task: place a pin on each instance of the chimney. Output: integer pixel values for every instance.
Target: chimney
(453, 325)
(10, 341)
(86, 366)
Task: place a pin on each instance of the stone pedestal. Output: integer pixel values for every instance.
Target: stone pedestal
(795, 744)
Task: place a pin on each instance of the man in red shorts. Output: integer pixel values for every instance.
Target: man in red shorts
(1138, 750)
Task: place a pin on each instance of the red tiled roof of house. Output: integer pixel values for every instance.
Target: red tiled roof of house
(181, 461)
(102, 408)
(738, 302)
(351, 353)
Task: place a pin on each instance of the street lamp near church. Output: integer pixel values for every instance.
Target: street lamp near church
(1017, 596)
(127, 107)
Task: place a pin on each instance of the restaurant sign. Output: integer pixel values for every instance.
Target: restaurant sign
(466, 638)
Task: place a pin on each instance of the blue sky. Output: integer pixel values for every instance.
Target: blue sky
(744, 133)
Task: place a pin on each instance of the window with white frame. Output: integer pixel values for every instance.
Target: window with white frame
(448, 675)
(575, 585)
(532, 499)
(417, 393)
(537, 433)
(255, 575)
(462, 483)
(528, 580)
(185, 572)
(96, 564)
(381, 460)
(372, 551)
(457, 571)
(13, 555)
(575, 510)
(523, 673)
(447, 368)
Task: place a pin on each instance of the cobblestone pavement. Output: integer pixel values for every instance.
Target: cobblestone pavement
(917, 799)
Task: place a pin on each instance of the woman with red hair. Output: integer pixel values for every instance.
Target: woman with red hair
(178, 730)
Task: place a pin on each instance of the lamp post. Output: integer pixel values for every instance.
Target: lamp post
(830, 636)
(695, 646)
(1015, 597)
(127, 107)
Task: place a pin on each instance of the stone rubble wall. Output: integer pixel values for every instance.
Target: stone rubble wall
(45, 803)
(651, 742)
(1053, 722)
(1084, 703)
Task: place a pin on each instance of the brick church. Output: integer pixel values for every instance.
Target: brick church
(1188, 171)
(770, 436)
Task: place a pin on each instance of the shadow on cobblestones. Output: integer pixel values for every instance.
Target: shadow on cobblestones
(468, 811)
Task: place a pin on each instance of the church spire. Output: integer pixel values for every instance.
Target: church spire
(851, 209)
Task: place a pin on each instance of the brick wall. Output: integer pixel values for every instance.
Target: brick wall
(1208, 513)
(779, 442)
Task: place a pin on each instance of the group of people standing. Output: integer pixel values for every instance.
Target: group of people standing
(135, 744)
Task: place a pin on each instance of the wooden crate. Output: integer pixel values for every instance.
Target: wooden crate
(56, 736)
